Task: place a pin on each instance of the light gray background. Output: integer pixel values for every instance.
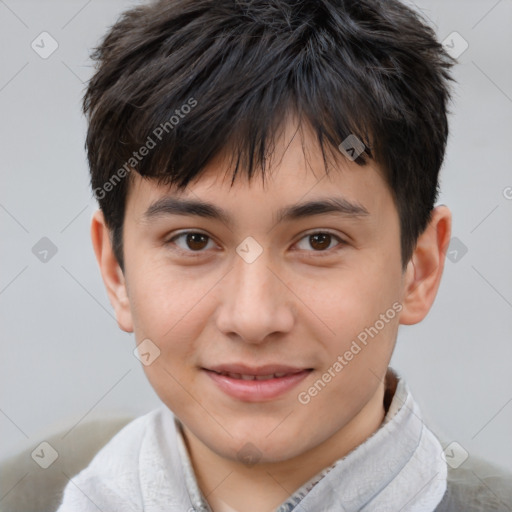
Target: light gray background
(64, 360)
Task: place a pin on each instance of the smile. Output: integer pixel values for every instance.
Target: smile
(253, 377)
(250, 387)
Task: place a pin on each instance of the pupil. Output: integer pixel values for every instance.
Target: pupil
(324, 236)
(192, 240)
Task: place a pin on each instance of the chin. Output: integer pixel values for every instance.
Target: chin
(255, 444)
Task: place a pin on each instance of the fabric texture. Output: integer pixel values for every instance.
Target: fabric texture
(400, 467)
(477, 486)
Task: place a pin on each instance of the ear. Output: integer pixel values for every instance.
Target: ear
(424, 270)
(111, 272)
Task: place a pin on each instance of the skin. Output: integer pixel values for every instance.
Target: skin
(291, 306)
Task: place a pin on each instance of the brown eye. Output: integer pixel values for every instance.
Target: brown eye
(320, 241)
(194, 241)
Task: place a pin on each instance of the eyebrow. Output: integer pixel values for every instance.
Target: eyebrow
(192, 207)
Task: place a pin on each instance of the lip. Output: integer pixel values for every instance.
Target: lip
(266, 369)
(256, 390)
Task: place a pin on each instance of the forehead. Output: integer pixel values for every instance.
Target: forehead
(296, 183)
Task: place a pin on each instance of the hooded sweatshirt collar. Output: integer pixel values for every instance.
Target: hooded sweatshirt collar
(398, 468)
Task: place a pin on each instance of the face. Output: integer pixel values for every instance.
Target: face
(314, 296)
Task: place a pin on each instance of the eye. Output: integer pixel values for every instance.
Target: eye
(321, 241)
(197, 242)
(194, 241)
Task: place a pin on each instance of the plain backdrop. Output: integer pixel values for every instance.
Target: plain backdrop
(63, 358)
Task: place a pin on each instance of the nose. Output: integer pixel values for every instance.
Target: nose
(255, 303)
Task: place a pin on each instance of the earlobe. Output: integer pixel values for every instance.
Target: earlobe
(425, 269)
(111, 272)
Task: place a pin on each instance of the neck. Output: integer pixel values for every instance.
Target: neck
(226, 483)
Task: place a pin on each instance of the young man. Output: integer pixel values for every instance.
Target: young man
(267, 173)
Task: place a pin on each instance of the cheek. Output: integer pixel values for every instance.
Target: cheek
(339, 301)
(170, 315)
(165, 301)
(347, 309)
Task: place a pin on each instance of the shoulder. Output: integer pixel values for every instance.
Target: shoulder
(123, 450)
(112, 480)
(477, 486)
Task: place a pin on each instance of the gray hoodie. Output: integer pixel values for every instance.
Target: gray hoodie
(401, 467)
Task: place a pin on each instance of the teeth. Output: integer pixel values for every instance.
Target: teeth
(264, 377)
(239, 376)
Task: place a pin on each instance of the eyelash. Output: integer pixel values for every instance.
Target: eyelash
(195, 254)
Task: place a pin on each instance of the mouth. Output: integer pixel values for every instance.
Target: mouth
(252, 384)
(241, 376)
